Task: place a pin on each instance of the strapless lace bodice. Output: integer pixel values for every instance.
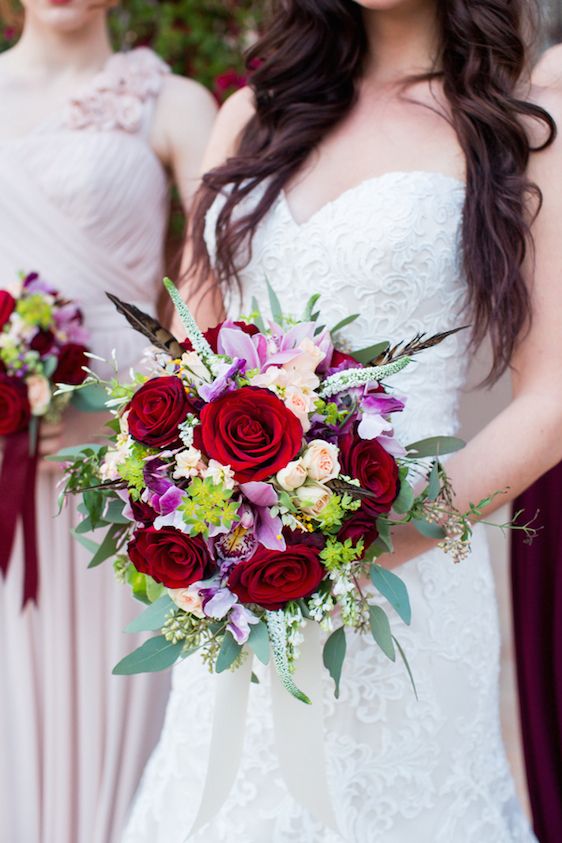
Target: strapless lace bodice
(401, 769)
(389, 250)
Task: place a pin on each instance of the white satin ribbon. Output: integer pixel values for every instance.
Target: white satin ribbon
(299, 736)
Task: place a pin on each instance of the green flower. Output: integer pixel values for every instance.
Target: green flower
(34, 310)
(208, 504)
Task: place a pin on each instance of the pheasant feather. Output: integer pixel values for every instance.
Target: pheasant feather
(148, 327)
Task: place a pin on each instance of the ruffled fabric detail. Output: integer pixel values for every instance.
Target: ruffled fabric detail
(115, 98)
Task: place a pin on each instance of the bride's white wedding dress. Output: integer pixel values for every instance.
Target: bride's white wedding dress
(400, 770)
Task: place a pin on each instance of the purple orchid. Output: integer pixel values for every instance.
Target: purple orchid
(255, 351)
(224, 382)
(239, 622)
(267, 528)
(217, 601)
(375, 408)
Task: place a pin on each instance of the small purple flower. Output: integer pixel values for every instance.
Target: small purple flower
(268, 528)
(224, 382)
(217, 602)
(239, 622)
(154, 474)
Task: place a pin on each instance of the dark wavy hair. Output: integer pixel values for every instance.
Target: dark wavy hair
(308, 64)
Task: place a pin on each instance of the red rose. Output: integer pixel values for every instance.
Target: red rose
(7, 306)
(43, 341)
(252, 431)
(143, 513)
(340, 357)
(169, 556)
(273, 577)
(361, 525)
(15, 411)
(367, 461)
(212, 335)
(69, 367)
(156, 410)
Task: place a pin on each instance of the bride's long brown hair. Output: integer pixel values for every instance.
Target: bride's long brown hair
(309, 62)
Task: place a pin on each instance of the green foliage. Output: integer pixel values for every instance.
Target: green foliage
(338, 556)
(203, 39)
(208, 504)
(334, 656)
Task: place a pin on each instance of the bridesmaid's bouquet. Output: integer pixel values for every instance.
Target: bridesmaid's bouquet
(42, 344)
(250, 485)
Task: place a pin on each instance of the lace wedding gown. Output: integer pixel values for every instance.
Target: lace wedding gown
(399, 770)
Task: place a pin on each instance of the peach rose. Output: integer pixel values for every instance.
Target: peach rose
(299, 403)
(313, 499)
(39, 394)
(188, 599)
(321, 461)
(292, 476)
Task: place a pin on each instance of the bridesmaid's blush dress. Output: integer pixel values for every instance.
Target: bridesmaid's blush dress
(83, 201)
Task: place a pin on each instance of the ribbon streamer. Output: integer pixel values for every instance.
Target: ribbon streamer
(17, 501)
(299, 736)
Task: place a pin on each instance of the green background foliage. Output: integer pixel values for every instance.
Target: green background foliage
(204, 39)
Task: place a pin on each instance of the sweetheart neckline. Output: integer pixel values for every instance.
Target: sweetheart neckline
(389, 175)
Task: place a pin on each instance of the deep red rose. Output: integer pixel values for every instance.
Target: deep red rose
(69, 367)
(156, 410)
(7, 306)
(340, 357)
(169, 556)
(143, 513)
(375, 468)
(252, 431)
(273, 577)
(361, 525)
(43, 341)
(212, 334)
(15, 411)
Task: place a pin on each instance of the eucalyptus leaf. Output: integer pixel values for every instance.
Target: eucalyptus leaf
(274, 304)
(255, 680)
(383, 529)
(343, 323)
(402, 655)
(50, 364)
(259, 642)
(91, 399)
(258, 318)
(69, 454)
(309, 308)
(405, 499)
(228, 653)
(380, 629)
(430, 531)
(152, 618)
(85, 526)
(435, 446)
(334, 656)
(90, 545)
(394, 589)
(434, 483)
(114, 513)
(154, 655)
(108, 546)
(94, 503)
(370, 353)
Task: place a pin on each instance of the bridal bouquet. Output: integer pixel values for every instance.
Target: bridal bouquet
(42, 343)
(250, 484)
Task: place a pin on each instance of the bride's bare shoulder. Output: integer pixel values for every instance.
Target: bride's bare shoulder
(548, 71)
(230, 123)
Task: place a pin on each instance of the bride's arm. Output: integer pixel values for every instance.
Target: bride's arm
(205, 299)
(525, 440)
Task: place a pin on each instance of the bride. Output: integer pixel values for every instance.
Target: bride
(388, 157)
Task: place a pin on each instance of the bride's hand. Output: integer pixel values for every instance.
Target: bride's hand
(50, 441)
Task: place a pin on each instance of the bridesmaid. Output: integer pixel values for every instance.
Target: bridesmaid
(537, 608)
(88, 140)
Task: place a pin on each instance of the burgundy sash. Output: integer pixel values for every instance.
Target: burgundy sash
(17, 501)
